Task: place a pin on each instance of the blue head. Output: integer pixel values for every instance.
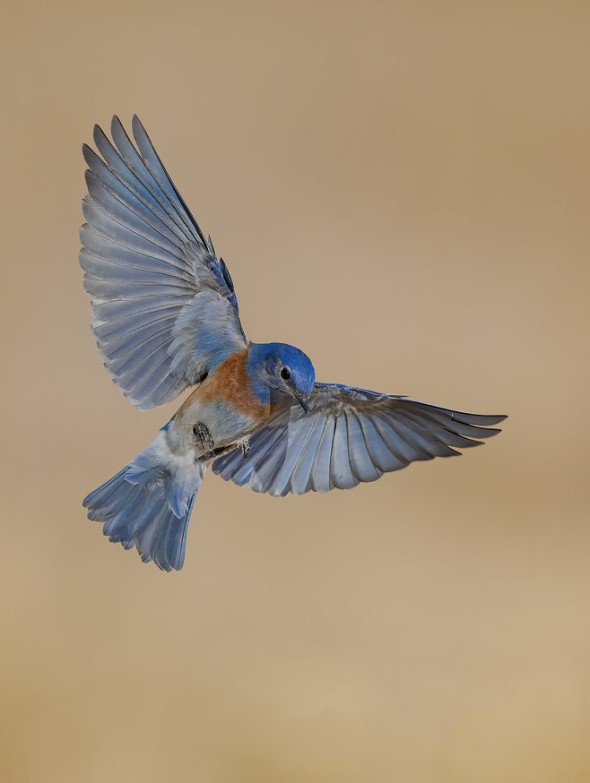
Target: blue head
(278, 367)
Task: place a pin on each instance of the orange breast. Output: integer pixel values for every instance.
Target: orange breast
(230, 383)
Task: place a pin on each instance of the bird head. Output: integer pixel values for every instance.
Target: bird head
(284, 369)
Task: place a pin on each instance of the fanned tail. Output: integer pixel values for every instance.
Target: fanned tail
(148, 504)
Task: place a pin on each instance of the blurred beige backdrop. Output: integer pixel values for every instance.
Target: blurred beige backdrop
(401, 189)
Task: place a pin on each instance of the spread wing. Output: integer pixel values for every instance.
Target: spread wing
(349, 435)
(164, 307)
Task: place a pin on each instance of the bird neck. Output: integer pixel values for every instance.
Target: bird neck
(258, 357)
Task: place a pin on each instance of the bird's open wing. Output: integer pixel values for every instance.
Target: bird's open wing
(164, 307)
(349, 435)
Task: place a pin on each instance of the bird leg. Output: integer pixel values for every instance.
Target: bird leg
(243, 445)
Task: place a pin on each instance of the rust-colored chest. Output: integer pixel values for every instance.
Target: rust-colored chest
(230, 385)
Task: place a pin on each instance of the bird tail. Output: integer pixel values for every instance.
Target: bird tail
(148, 504)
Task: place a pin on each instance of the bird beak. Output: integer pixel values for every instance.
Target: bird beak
(303, 402)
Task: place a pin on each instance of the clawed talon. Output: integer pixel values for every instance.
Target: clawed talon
(203, 435)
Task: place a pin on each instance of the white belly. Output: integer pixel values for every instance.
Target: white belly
(225, 426)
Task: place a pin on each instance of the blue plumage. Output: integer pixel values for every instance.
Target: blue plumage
(166, 318)
(278, 368)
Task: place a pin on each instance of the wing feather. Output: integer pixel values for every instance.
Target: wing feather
(128, 230)
(299, 437)
(128, 210)
(301, 477)
(165, 312)
(381, 455)
(349, 436)
(341, 474)
(321, 479)
(363, 467)
(262, 479)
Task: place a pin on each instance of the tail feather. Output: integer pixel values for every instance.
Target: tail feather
(102, 498)
(148, 504)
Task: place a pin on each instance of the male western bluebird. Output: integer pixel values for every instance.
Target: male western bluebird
(166, 318)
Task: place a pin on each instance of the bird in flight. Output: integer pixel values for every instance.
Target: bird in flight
(165, 317)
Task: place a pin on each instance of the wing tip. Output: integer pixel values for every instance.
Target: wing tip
(88, 153)
(98, 134)
(479, 419)
(138, 128)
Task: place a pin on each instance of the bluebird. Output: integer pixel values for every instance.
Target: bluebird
(165, 317)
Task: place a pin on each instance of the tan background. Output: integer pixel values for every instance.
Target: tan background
(401, 189)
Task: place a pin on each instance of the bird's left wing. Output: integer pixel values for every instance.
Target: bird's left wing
(349, 436)
(165, 311)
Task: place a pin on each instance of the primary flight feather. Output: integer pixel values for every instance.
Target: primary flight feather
(165, 317)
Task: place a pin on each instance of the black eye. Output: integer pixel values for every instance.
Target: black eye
(285, 374)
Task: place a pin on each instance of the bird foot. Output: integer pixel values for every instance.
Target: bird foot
(245, 446)
(203, 435)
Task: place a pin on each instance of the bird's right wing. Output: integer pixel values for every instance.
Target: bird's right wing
(350, 435)
(164, 307)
